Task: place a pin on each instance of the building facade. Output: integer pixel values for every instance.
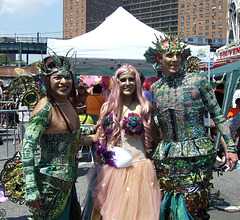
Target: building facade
(82, 16)
(203, 21)
(158, 14)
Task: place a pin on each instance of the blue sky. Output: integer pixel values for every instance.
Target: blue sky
(27, 17)
(24, 18)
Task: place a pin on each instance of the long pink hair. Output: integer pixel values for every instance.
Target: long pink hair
(115, 105)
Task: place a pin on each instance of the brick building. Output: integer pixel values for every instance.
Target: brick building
(82, 16)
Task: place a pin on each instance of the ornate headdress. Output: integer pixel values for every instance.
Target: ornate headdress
(177, 45)
(62, 64)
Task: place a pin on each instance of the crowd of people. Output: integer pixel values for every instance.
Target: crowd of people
(124, 183)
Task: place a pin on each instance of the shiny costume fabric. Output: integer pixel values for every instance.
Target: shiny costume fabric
(184, 158)
(51, 177)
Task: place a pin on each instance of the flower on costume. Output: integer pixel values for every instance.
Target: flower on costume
(108, 124)
(132, 124)
(105, 154)
(153, 56)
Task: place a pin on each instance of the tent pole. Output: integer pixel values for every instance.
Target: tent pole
(209, 118)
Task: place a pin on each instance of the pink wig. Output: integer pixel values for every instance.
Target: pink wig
(115, 106)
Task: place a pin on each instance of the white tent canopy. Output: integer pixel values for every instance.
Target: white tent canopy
(120, 39)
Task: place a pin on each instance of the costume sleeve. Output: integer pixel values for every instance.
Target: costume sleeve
(209, 99)
(37, 124)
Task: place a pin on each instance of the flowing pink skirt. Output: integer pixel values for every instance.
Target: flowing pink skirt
(130, 193)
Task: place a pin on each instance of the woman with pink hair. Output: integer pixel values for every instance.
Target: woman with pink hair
(125, 186)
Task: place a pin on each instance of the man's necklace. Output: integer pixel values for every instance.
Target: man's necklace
(62, 103)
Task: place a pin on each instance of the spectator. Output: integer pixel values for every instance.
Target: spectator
(94, 103)
(147, 93)
(219, 93)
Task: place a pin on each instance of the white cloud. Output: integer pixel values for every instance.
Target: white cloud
(19, 7)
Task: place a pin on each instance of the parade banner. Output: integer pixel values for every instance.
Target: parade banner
(202, 52)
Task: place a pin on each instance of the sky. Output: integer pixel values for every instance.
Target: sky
(24, 18)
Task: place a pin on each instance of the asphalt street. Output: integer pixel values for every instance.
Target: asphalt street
(228, 184)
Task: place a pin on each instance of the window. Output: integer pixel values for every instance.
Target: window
(188, 29)
(200, 28)
(213, 21)
(71, 13)
(194, 10)
(182, 12)
(70, 19)
(194, 29)
(194, 17)
(207, 21)
(207, 28)
(213, 33)
(200, 34)
(213, 8)
(182, 24)
(220, 13)
(207, 8)
(220, 19)
(207, 15)
(220, 27)
(201, 3)
(182, 5)
(188, 4)
(200, 22)
(201, 9)
(220, 7)
(213, 14)
(188, 11)
(213, 27)
(70, 7)
(194, 23)
(220, 33)
(188, 23)
(200, 15)
(182, 18)
(188, 17)
(207, 2)
(195, 4)
(199, 39)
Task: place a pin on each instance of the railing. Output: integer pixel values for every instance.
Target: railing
(10, 130)
(25, 39)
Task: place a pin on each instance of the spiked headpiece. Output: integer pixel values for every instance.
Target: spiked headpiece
(62, 65)
(177, 45)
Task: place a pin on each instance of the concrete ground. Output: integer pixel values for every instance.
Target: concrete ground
(228, 184)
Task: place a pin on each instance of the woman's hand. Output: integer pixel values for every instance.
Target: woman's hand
(37, 204)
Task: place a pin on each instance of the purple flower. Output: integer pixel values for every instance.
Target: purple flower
(108, 124)
(132, 124)
(106, 155)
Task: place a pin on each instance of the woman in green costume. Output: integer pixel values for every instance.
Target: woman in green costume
(54, 124)
(184, 158)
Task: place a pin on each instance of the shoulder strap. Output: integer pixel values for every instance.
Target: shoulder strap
(85, 119)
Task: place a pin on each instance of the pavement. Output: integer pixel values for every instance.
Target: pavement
(228, 184)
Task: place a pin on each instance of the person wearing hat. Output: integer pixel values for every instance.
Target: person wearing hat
(50, 191)
(185, 157)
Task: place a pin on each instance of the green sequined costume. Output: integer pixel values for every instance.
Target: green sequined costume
(184, 158)
(52, 179)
